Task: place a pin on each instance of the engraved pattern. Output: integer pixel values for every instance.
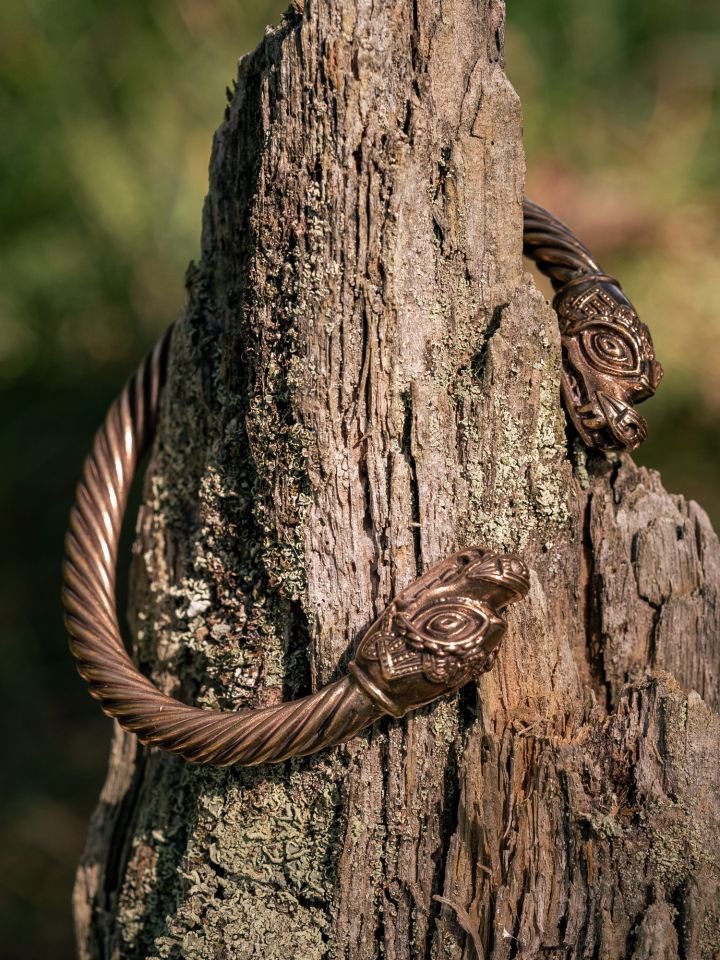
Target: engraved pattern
(432, 638)
(609, 363)
(441, 632)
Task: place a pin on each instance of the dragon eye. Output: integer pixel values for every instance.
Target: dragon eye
(450, 621)
(444, 624)
(611, 346)
(610, 350)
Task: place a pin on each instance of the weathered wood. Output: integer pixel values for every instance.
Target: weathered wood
(365, 379)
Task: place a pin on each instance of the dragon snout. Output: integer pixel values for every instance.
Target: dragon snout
(627, 427)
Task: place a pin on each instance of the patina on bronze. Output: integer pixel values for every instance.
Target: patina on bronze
(609, 362)
(435, 636)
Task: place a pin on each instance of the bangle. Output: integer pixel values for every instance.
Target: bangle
(436, 635)
(442, 631)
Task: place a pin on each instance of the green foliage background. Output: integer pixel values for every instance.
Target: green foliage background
(107, 115)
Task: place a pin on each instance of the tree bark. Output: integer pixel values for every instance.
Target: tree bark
(364, 380)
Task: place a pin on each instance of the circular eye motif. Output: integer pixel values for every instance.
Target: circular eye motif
(611, 346)
(610, 350)
(450, 622)
(446, 624)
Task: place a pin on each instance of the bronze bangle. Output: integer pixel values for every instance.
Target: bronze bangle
(435, 636)
(439, 633)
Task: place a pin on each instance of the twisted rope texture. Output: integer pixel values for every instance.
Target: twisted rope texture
(221, 738)
(330, 716)
(554, 247)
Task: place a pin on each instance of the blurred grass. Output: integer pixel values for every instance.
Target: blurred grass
(622, 132)
(108, 112)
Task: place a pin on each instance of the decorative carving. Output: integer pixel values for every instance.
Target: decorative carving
(440, 632)
(436, 635)
(609, 363)
(609, 360)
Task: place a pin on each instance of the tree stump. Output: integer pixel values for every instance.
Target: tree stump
(364, 379)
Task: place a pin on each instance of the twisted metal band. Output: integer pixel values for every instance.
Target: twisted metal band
(438, 634)
(91, 619)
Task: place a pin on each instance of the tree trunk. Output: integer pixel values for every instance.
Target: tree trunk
(364, 380)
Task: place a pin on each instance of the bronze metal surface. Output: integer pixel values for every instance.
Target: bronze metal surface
(435, 636)
(609, 362)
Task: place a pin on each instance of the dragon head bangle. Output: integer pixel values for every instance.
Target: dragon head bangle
(437, 634)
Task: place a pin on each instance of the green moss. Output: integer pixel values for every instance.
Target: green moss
(244, 863)
(279, 442)
(444, 721)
